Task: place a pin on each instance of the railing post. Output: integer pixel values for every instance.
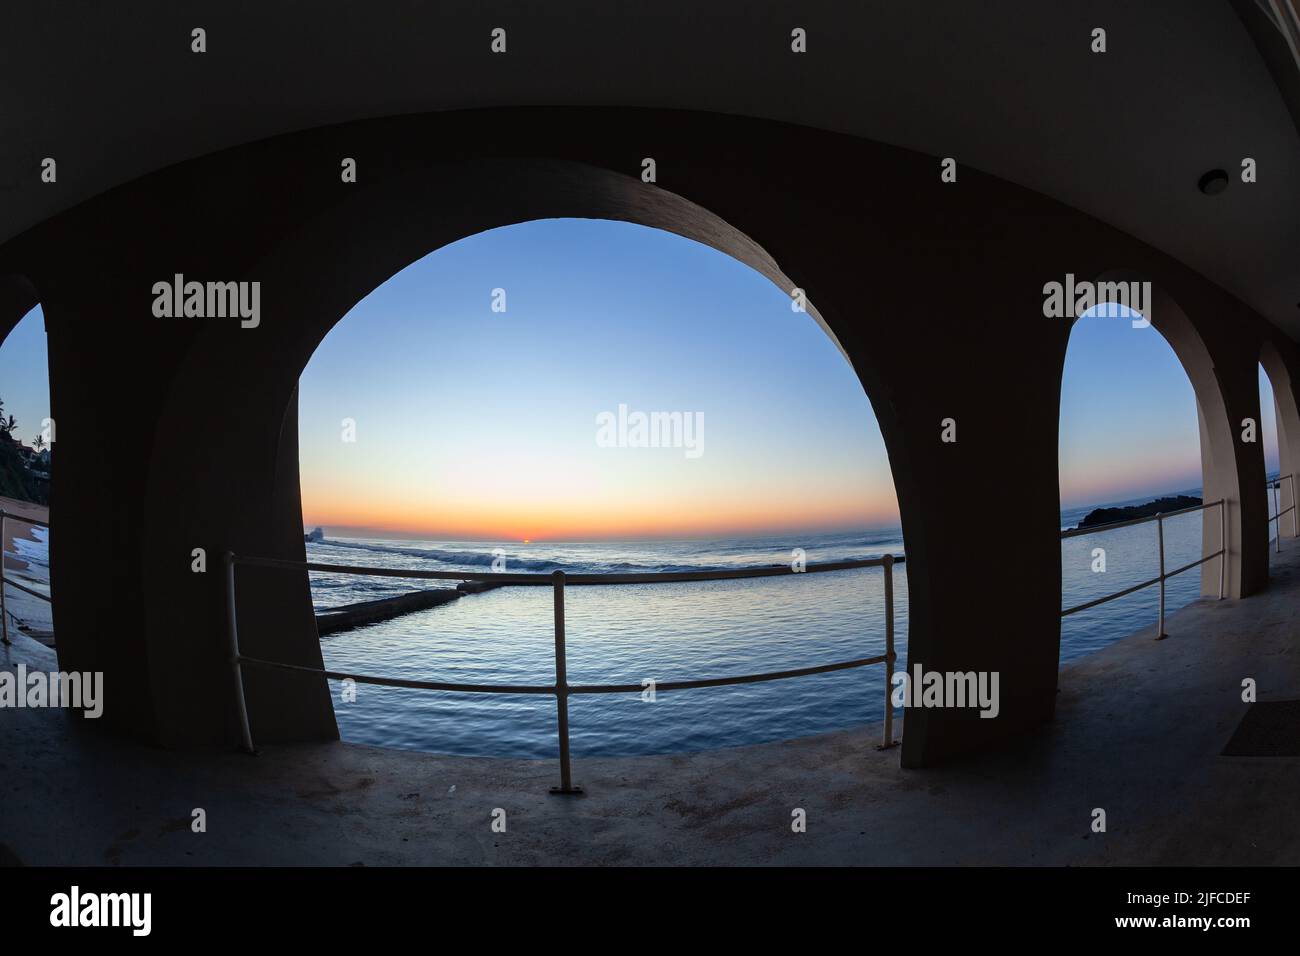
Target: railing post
(887, 740)
(562, 690)
(232, 634)
(1223, 543)
(1160, 535)
(1277, 510)
(1295, 530)
(4, 613)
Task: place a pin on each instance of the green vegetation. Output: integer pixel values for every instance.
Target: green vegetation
(16, 478)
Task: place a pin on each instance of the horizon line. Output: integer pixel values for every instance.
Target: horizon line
(402, 534)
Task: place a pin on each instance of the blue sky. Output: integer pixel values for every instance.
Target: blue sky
(25, 375)
(1128, 415)
(474, 423)
(475, 410)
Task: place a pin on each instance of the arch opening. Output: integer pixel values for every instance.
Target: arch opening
(1279, 433)
(27, 435)
(313, 273)
(599, 320)
(1144, 430)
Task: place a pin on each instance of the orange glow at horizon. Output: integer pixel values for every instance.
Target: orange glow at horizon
(460, 518)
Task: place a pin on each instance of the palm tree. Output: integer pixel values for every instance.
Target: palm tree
(38, 443)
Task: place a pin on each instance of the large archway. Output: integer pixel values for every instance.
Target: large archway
(1130, 447)
(447, 423)
(1220, 448)
(275, 611)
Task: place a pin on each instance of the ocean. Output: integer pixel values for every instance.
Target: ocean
(663, 632)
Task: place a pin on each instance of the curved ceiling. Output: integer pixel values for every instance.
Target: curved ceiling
(1010, 88)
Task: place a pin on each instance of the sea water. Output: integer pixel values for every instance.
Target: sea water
(628, 634)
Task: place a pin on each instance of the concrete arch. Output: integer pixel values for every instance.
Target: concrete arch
(18, 296)
(1288, 425)
(474, 198)
(1225, 464)
(331, 262)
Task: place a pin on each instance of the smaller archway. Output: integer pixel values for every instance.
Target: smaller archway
(1219, 451)
(1130, 439)
(26, 448)
(1280, 433)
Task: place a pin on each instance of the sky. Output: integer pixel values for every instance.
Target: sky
(1129, 427)
(475, 423)
(470, 423)
(25, 376)
(1128, 414)
(1268, 424)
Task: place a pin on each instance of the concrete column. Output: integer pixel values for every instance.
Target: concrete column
(981, 512)
(227, 479)
(176, 441)
(102, 400)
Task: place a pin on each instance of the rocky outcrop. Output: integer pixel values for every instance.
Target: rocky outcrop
(1159, 506)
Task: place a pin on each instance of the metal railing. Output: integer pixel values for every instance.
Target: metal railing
(1159, 519)
(1276, 485)
(562, 690)
(4, 610)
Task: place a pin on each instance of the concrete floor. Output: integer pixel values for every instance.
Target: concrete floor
(1138, 732)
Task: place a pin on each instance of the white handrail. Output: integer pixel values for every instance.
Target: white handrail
(1159, 519)
(4, 610)
(1276, 485)
(561, 689)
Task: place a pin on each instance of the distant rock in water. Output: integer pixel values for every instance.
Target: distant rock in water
(316, 534)
(1150, 509)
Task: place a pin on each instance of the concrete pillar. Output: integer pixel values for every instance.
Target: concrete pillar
(981, 513)
(1224, 378)
(226, 479)
(176, 441)
(101, 403)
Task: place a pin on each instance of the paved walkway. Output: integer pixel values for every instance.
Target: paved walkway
(1139, 729)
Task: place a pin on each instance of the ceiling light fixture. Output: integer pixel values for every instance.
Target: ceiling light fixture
(1213, 182)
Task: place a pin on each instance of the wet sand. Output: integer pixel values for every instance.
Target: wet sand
(16, 530)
